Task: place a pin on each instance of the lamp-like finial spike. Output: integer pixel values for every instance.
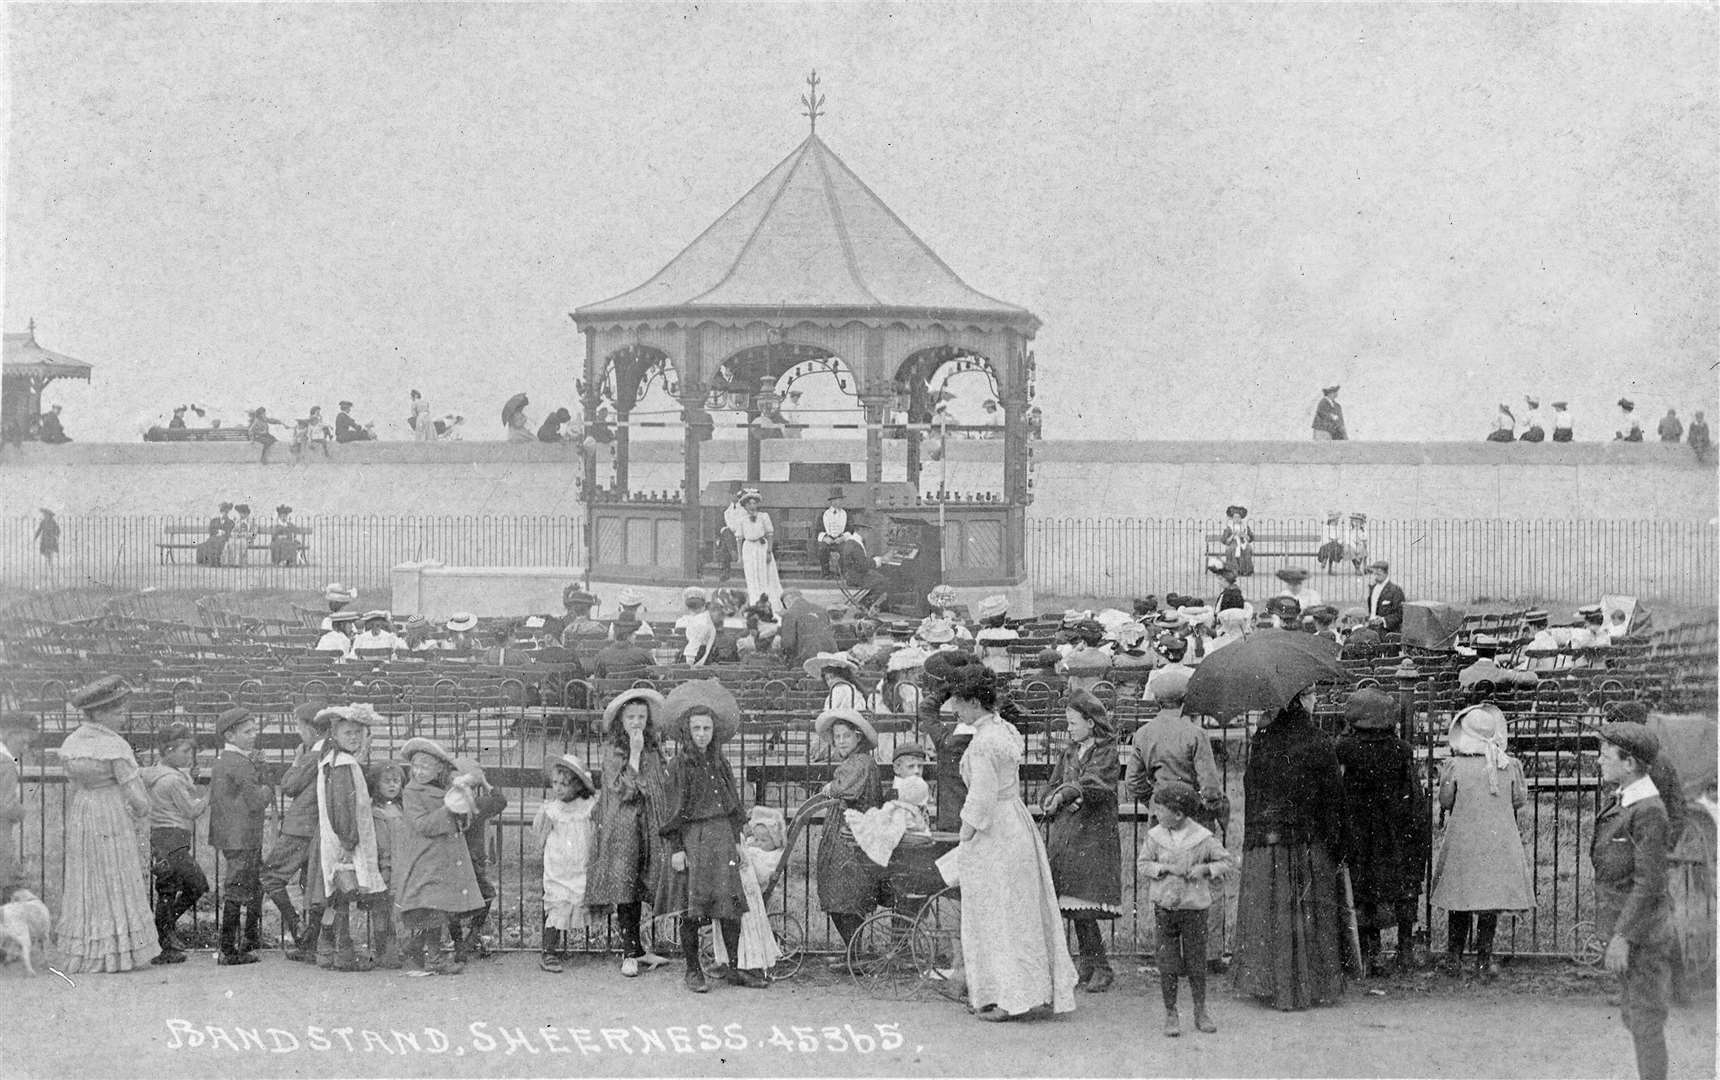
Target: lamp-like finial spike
(32, 328)
(813, 101)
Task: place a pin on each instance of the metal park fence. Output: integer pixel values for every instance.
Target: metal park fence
(1551, 733)
(1667, 562)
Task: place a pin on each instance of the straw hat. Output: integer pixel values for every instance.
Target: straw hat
(992, 607)
(572, 765)
(420, 745)
(1293, 574)
(937, 632)
(461, 621)
(336, 593)
(652, 699)
(828, 718)
(707, 694)
(943, 596)
(630, 597)
(99, 694)
(815, 665)
(376, 613)
(996, 635)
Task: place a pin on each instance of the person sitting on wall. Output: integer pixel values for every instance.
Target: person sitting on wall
(347, 430)
(1504, 426)
(51, 430)
(550, 430)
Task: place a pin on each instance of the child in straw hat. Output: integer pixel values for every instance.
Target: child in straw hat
(344, 864)
(563, 824)
(437, 880)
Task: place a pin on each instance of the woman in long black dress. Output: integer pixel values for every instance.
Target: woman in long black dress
(1083, 848)
(1290, 915)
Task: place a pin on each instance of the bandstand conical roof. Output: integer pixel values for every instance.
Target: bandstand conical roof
(809, 237)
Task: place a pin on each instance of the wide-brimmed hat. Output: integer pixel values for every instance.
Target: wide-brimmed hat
(421, 745)
(905, 659)
(996, 635)
(1233, 617)
(1533, 403)
(652, 699)
(942, 596)
(1371, 710)
(1479, 729)
(361, 713)
(1236, 511)
(376, 613)
(815, 665)
(1626, 404)
(706, 694)
(944, 664)
(937, 632)
(1334, 388)
(336, 593)
(416, 622)
(630, 597)
(341, 617)
(750, 495)
(992, 607)
(572, 765)
(1292, 574)
(1634, 739)
(694, 592)
(1561, 404)
(462, 620)
(1087, 662)
(1322, 613)
(1359, 518)
(283, 510)
(576, 596)
(828, 718)
(1130, 634)
(230, 718)
(105, 691)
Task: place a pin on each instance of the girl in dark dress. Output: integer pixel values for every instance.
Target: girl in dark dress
(1081, 804)
(702, 821)
(848, 889)
(1290, 915)
(629, 858)
(1388, 819)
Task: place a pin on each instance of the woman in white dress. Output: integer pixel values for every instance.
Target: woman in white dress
(758, 555)
(1012, 930)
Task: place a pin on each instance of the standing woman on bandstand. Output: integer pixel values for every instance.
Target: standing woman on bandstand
(757, 538)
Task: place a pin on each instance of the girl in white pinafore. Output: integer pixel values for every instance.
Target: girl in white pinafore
(563, 823)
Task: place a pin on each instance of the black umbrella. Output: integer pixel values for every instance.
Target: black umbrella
(514, 405)
(1261, 673)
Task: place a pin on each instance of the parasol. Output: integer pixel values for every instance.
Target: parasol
(1261, 673)
(514, 405)
(710, 694)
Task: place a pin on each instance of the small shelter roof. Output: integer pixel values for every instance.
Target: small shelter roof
(810, 235)
(26, 359)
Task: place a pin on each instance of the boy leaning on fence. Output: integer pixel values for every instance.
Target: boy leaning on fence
(238, 796)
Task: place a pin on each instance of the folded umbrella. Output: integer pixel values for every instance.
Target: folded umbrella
(1261, 673)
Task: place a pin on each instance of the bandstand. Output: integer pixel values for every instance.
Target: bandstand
(808, 274)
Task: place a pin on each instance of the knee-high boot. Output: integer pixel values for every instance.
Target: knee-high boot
(289, 917)
(549, 958)
(230, 951)
(166, 909)
(310, 932)
(383, 948)
(253, 926)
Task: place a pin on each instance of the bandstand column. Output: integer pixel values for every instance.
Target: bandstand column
(875, 409)
(698, 426)
(622, 418)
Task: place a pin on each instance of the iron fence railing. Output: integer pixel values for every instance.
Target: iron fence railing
(1447, 559)
(776, 766)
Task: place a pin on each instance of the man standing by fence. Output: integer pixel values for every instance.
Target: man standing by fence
(1385, 599)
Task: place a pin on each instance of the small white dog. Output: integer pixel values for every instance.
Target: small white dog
(24, 926)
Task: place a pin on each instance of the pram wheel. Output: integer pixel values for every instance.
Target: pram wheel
(792, 941)
(937, 944)
(881, 956)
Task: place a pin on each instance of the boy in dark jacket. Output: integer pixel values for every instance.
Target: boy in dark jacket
(298, 826)
(174, 807)
(237, 799)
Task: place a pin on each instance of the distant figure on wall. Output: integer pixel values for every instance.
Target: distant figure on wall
(1356, 542)
(1533, 429)
(1504, 426)
(1671, 428)
(50, 428)
(1238, 542)
(1329, 417)
(1629, 429)
(1561, 422)
(47, 540)
(423, 430)
(1700, 441)
(346, 429)
(258, 430)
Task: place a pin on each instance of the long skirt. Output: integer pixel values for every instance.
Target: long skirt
(758, 563)
(710, 888)
(106, 923)
(1012, 932)
(759, 949)
(1289, 926)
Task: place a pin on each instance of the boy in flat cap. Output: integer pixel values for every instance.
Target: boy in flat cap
(237, 798)
(1633, 909)
(292, 848)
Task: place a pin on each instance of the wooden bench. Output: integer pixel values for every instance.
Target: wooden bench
(180, 538)
(1272, 545)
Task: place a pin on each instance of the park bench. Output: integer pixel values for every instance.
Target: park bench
(186, 538)
(1272, 545)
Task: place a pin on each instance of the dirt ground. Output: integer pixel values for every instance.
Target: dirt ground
(504, 1018)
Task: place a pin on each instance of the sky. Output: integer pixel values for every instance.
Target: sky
(1215, 209)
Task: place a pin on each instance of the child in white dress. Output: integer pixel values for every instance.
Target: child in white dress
(761, 849)
(563, 823)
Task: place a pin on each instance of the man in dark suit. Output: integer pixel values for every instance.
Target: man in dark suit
(858, 568)
(805, 629)
(1385, 599)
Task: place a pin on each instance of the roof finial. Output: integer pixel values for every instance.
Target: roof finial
(814, 101)
(32, 328)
